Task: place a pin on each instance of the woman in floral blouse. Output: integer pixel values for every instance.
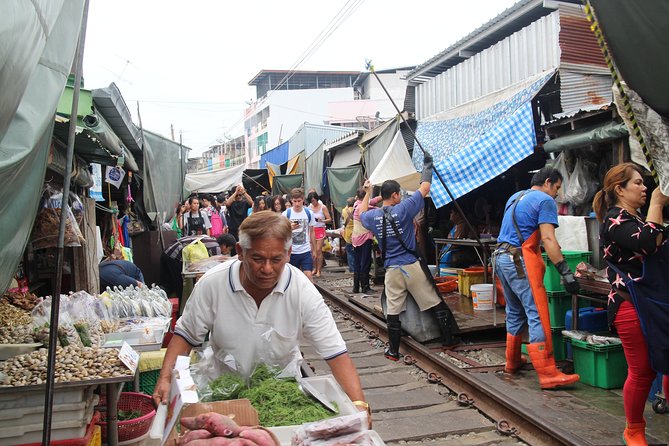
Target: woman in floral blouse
(627, 240)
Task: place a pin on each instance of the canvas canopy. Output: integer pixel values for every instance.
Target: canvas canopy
(396, 165)
(214, 181)
(39, 40)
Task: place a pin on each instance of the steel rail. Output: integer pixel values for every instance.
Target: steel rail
(490, 401)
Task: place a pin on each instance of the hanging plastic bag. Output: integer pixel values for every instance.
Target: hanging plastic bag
(577, 188)
(561, 166)
(47, 222)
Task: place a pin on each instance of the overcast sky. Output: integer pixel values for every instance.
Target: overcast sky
(188, 63)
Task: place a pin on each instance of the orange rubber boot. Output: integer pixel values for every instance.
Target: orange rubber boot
(635, 434)
(514, 358)
(544, 363)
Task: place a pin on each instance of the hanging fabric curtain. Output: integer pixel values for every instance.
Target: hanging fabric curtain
(256, 181)
(284, 183)
(375, 150)
(313, 174)
(396, 165)
(343, 183)
(39, 41)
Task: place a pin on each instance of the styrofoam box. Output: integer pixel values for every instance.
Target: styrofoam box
(328, 386)
(32, 433)
(18, 399)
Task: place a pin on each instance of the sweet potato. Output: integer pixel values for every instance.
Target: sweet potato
(219, 425)
(215, 441)
(259, 436)
(194, 435)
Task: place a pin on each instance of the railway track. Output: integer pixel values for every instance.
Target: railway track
(444, 397)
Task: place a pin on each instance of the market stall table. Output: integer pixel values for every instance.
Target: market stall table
(113, 388)
(483, 253)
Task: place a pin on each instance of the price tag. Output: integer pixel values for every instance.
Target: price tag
(129, 356)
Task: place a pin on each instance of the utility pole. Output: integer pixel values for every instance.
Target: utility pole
(172, 130)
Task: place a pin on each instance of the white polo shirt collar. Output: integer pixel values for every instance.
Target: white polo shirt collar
(235, 282)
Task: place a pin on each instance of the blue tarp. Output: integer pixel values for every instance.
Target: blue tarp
(469, 151)
(277, 155)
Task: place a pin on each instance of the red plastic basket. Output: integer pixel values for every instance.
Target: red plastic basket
(129, 429)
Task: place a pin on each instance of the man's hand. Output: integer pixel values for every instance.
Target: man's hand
(367, 186)
(161, 392)
(426, 174)
(570, 282)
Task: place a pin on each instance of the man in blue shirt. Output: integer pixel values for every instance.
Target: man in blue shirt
(530, 218)
(404, 272)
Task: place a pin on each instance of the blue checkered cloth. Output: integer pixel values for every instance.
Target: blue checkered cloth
(471, 150)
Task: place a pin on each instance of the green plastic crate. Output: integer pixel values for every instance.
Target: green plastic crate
(559, 302)
(601, 366)
(559, 346)
(552, 279)
(147, 382)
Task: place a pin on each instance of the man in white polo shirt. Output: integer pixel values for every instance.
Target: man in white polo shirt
(259, 308)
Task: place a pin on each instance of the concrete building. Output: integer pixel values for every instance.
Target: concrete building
(225, 154)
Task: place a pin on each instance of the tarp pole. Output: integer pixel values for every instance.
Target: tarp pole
(370, 67)
(64, 209)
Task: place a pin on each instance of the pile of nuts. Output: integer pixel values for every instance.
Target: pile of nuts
(21, 334)
(12, 316)
(72, 364)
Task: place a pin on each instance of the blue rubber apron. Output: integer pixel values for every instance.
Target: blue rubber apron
(650, 296)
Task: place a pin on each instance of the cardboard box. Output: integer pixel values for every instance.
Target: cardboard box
(240, 410)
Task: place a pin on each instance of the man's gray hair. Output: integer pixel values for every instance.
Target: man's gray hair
(265, 224)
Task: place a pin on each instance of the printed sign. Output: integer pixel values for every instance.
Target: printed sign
(129, 356)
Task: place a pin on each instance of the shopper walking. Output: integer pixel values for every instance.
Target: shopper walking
(638, 306)
(362, 240)
(321, 219)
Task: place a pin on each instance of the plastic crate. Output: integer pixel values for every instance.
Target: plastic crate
(552, 279)
(468, 277)
(559, 347)
(89, 439)
(147, 382)
(601, 366)
(558, 304)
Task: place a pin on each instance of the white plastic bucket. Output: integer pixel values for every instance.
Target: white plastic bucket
(482, 296)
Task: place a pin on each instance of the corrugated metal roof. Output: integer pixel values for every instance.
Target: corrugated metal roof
(508, 22)
(577, 42)
(582, 91)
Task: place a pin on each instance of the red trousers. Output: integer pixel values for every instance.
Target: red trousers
(640, 375)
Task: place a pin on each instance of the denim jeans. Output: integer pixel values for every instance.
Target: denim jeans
(520, 307)
(363, 258)
(350, 258)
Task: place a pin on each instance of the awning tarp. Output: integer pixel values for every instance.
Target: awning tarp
(39, 41)
(583, 137)
(214, 181)
(471, 150)
(256, 181)
(343, 183)
(374, 151)
(348, 156)
(162, 176)
(277, 155)
(396, 165)
(313, 172)
(636, 34)
(284, 183)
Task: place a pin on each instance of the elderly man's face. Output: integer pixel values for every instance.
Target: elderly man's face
(262, 264)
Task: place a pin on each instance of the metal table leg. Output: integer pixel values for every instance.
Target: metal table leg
(112, 413)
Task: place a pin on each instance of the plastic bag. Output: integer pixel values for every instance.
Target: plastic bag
(216, 375)
(47, 222)
(561, 166)
(194, 251)
(346, 429)
(577, 188)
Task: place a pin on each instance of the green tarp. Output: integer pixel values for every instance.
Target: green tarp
(343, 182)
(313, 171)
(587, 136)
(282, 184)
(636, 34)
(39, 40)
